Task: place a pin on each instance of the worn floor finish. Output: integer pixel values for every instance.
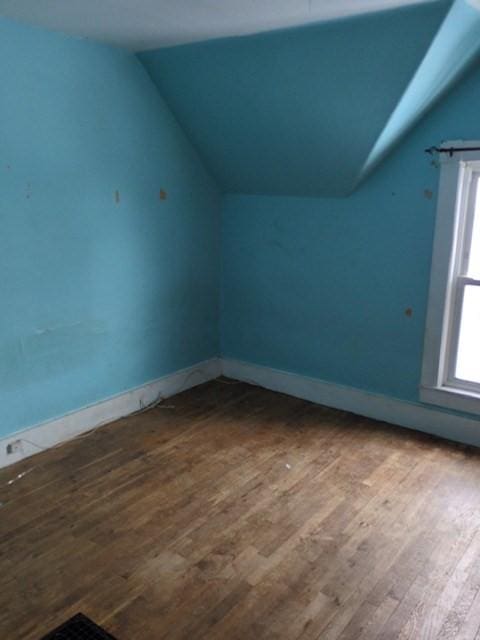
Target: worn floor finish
(233, 512)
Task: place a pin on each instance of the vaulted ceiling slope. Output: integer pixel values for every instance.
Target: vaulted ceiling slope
(455, 47)
(300, 111)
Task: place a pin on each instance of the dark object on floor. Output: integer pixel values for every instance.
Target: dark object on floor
(78, 628)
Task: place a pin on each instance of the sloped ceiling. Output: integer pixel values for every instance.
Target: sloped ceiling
(309, 111)
(454, 48)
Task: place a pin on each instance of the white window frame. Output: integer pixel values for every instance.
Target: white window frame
(459, 172)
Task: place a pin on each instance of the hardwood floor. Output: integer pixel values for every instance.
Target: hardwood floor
(233, 512)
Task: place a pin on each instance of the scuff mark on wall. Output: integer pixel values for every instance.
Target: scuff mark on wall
(94, 327)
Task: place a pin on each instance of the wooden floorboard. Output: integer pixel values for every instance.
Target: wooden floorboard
(234, 512)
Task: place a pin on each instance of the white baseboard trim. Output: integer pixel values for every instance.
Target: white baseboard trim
(372, 405)
(376, 406)
(53, 432)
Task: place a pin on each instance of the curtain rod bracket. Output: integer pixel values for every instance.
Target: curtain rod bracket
(450, 150)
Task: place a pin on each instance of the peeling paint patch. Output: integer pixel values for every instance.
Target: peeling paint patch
(409, 312)
(428, 194)
(50, 351)
(117, 196)
(163, 194)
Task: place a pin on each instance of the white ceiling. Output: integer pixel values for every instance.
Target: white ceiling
(149, 24)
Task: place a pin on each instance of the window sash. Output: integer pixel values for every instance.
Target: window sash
(460, 259)
(451, 380)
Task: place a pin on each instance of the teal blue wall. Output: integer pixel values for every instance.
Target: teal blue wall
(320, 286)
(96, 296)
(296, 111)
(100, 296)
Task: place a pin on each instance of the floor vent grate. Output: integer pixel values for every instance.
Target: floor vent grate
(78, 628)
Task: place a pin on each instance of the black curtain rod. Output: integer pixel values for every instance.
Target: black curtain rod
(450, 150)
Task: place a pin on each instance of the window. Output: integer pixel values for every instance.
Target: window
(451, 366)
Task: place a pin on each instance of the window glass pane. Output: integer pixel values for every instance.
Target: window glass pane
(474, 259)
(468, 355)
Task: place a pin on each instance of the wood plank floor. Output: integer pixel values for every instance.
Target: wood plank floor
(233, 512)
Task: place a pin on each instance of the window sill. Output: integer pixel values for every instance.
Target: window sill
(450, 398)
